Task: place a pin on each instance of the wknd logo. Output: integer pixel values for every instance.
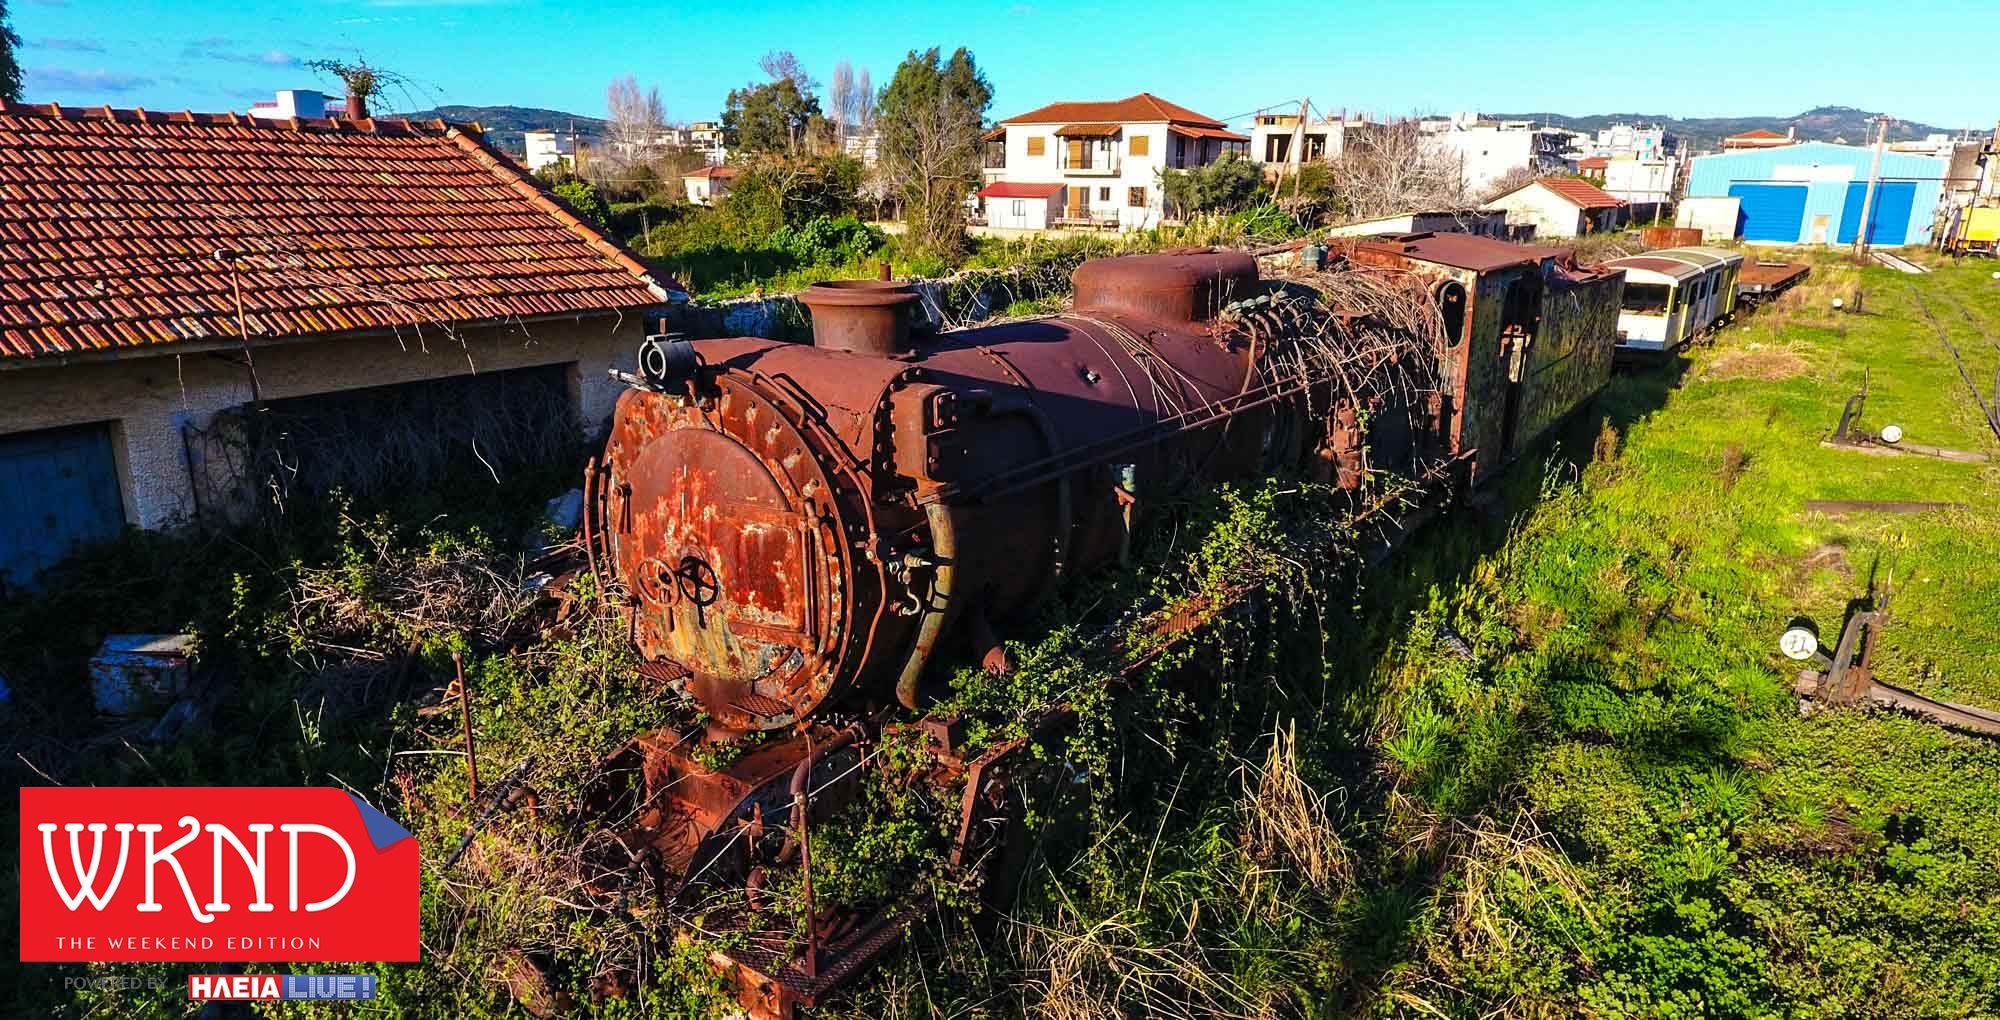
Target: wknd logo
(212, 873)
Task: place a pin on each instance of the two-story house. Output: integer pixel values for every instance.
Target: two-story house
(1096, 163)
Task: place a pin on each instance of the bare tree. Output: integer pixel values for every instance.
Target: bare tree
(1519, 177)
(783, 65)
(864, 103)
(1392, 168)
(933, 153)
(840, 100)
(637, 120)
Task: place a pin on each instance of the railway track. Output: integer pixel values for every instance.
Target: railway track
(1990, 410)
(1896, 262)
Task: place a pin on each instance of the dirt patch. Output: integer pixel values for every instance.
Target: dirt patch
(1757, 362)
(1829, 556)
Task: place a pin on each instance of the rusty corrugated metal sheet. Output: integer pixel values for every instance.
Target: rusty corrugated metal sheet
(1670, 237)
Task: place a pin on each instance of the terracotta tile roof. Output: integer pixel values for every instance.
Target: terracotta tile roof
(1757, 133)
(1593, 163)
(1582, 194)
(712, 172)
(1018, 189)
(1142, 108)
(1207, 132)
(125, 228)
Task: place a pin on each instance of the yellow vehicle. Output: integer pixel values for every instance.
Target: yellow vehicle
(1972, 231)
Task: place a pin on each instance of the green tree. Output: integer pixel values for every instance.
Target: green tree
(582, 197)
(930, 117)
(10, 70)
(1226, 185)
(772, 117)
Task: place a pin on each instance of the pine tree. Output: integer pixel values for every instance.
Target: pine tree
(10, 70)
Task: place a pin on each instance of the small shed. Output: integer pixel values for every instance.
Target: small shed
(1715, 217)
(708, 184)
(1022, 205)
(1560, 207)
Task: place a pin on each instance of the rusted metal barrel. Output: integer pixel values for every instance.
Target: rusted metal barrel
(817, 520)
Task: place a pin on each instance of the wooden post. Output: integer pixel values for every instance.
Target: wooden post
(465, 717)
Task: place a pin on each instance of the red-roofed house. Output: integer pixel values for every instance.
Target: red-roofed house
(709, 183)
(1757, 138)
(1106, 156)
(1559, 207)
(161, 273)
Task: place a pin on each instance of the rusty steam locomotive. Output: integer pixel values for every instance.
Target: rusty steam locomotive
(801, 529)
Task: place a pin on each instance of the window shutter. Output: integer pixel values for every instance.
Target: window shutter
(1036, 145)
(1141, 144)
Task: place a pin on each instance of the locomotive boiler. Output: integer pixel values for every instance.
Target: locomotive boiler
(800, 523)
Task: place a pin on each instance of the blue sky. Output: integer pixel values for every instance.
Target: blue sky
(1772, 57)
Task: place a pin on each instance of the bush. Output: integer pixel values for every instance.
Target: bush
(826, 241)
(580, 196)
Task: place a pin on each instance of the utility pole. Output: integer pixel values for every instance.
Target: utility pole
(1299, 145)
(1874, 175)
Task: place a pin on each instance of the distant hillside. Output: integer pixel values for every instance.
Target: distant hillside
(1821, 124)
(505, 124)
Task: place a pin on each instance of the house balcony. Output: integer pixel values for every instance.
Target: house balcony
(1094, 164)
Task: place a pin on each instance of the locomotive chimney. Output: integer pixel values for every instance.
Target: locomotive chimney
(861, 316)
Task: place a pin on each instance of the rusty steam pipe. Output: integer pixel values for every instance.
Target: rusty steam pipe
(944, 602)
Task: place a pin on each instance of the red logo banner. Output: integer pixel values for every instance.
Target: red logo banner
(213, 873)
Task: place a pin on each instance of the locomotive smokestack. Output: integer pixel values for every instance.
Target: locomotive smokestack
(861, 316)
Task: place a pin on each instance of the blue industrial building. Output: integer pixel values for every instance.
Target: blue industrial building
(1812, 193)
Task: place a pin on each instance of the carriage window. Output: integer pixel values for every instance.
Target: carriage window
(1646, 298)
(1451, 306)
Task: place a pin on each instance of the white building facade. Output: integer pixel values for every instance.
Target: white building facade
(1486, 151)
(1107, 156)
(549, 149)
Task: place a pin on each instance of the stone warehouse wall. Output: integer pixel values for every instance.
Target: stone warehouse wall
(152, 402)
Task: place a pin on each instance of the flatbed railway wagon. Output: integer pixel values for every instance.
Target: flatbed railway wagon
(1673, 296)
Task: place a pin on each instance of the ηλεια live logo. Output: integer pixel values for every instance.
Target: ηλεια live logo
(213, 873)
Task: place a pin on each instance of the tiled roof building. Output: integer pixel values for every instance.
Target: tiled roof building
(158, 270)
(126, 228)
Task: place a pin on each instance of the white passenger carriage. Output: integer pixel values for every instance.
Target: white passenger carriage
(1673, 296)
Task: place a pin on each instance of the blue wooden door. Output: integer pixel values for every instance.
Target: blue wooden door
(1891, 213)
(58, 490)
(1770, 212)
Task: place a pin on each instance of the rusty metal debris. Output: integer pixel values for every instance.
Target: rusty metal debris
(1877, 506)
(1847, 677)
(1849, 435)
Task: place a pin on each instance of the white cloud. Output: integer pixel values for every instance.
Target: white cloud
(72, 45)
(63, 79)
